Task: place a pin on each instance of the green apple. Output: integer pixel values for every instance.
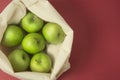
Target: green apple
(19, 60)
(12, 36)
(33, 43)
(41, 62)
(32, 23)
(53, 33)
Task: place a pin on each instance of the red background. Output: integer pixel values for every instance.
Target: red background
(96, 48)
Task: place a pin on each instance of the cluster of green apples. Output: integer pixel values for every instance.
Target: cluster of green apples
(30, 38)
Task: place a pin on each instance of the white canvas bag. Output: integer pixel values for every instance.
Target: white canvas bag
(60, 54)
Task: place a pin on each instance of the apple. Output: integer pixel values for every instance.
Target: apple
(31, 23)
(19, 60)
(33, 43)
(53, 33)
(41, 62)
(12, 36)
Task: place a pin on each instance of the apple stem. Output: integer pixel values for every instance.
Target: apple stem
(58, 34)
(35, 18)
(38, 61)
(37, 40)
(23, 57)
